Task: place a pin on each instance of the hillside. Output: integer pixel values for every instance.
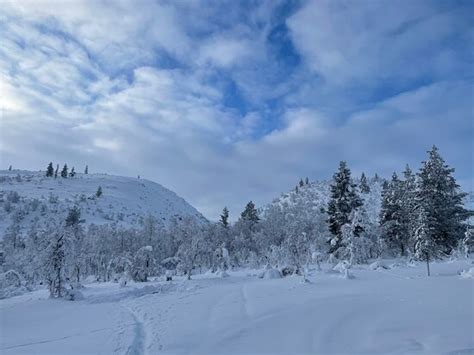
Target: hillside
(315, 196)
(26, 196)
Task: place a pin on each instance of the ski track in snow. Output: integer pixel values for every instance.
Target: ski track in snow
(139, 345)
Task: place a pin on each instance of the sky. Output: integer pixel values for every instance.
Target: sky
(229, 101)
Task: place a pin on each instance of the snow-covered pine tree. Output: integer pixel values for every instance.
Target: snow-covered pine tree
(408, 203)
(363, 185)
(64, 171)
(224, 220)
(50, 170)
(439, 196)
(10, 168)
(344, 199)
(72, 173)
(425, 248)
(86, 170)
(306, 181)
(393, 230)
(99, 191)
(56, 171)
(301, 183)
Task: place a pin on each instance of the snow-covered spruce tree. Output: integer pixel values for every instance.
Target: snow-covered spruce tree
(243, 243)
(99, 191)
(439, 196)
(10, 168)
(86, 170)
(301, 183)
(394, 232)
(224, 219)
(50, 170)
(425, 246)
(408, 204)
(344, 199)
(56, 171)
(363, 185)
(72, 173)
(64, 171)
(53, 260)
(306, 181)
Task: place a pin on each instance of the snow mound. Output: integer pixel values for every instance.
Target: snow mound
(378, 265)
(468, 274)
(222, 274)
(270, 273)
(74, 295)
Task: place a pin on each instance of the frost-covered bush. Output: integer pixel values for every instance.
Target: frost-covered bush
(13, 197)
(142, 264)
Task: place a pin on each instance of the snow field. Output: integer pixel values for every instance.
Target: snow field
(393, 310)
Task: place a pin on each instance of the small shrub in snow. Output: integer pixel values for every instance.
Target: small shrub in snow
(348, 275)
(288, 270)
(342, 267)
(13, 197)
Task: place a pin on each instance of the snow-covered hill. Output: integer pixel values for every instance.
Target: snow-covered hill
(315, 196)
(26, 196)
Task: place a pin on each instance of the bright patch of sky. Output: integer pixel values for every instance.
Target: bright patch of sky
(230, 101)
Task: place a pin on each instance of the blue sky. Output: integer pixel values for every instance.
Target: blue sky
(228, 101)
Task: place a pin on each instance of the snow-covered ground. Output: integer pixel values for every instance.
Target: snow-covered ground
(395, 310)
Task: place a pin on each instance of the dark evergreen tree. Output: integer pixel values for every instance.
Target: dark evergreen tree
(74, 217)
(363, 186)
(86, 170)
(72, 173)
(306, 181)
(225, 218)
(56, 171)
(344, 200)
(10, 168)
(250, 213)
(64, 171)
(439, 196)
(50, 170)
(301, 183)
(99, 191)
(297, 189)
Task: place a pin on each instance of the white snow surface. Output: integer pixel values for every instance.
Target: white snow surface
(397, 310)
(125, 201)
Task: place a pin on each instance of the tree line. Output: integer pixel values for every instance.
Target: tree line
(421, 217)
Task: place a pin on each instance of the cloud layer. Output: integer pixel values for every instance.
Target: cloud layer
(224, 102)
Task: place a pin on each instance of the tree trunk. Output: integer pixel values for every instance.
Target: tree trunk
(428, 266)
